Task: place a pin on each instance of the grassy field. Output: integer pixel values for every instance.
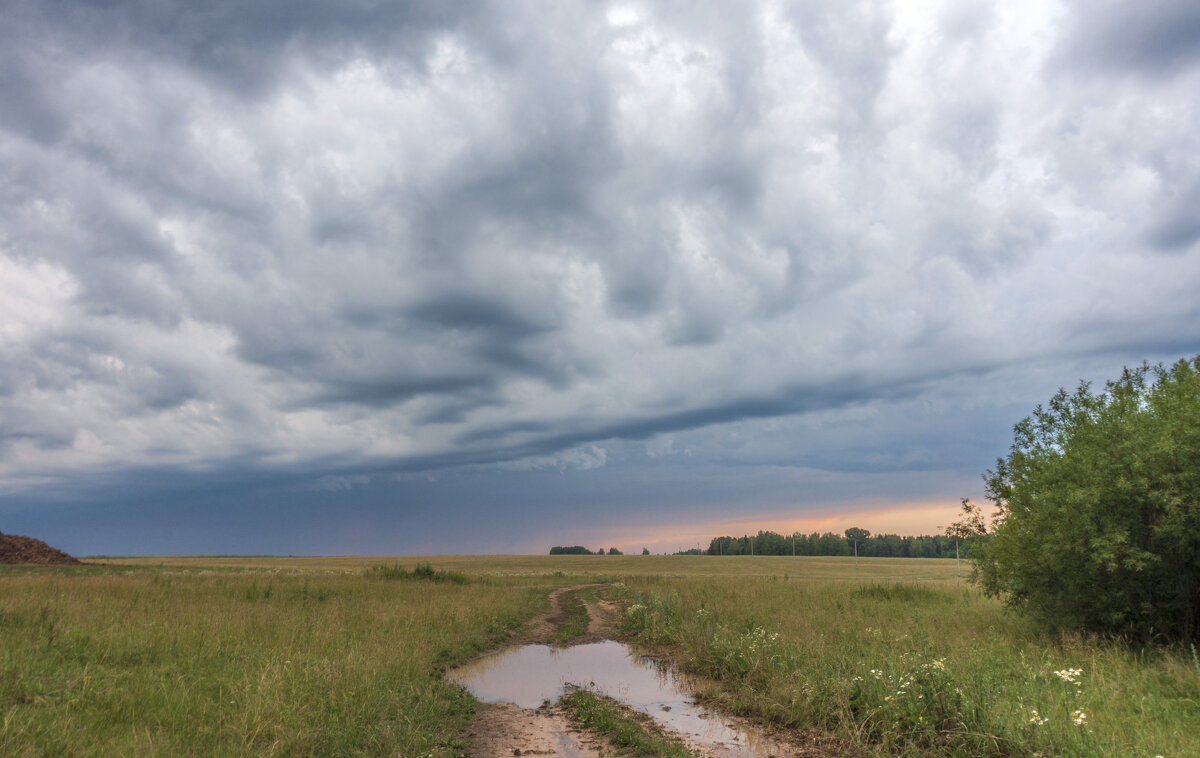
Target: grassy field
(917, 668)
(334, 656)
(593, 567)
(202, 661)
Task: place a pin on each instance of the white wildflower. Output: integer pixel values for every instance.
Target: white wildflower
(1068, 675)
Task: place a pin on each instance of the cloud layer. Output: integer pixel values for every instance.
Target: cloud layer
(320, 242)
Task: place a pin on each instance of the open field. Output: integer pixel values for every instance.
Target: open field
(593, 567)
(320, 656)
(197, 661)
(910, 668)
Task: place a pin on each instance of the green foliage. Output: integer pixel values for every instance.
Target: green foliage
(855, 535)
(420, 572)
(572, 550)
(907, 593)
(624, 731)
(1098, 520)
(877, 546)
(575, 623)
(915, 670)
(171, 661)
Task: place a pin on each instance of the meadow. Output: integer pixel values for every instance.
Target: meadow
(344, 656)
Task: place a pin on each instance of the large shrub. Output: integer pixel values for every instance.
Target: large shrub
(1098, 521)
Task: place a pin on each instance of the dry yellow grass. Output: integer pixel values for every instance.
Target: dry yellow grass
(835, 569)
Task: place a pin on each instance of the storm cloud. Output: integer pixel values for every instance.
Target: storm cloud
(575, 255)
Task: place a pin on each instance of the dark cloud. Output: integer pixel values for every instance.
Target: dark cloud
(245, 49)
(850, 41)
(474, 313)
(627, 253)
(1177, 227)
(381, 391)
(29, 109)
(1152, 38)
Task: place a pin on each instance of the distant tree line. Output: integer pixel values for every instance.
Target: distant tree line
(830, 543)
(580, 550)
(853, 541)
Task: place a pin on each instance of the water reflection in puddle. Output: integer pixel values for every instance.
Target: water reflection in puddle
(533, 674)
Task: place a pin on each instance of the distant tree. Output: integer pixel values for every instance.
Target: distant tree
(856, 535)
(614, 551)
(573, 550)
(771, 543)
(645, 551)
(922, 547)
(833, 544)
(969, 530)
(1098, 508)
(725, 545)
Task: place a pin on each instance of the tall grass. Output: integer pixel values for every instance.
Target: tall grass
(574, 623)
(202, 662)
(628, 732)
(306, 656)
(917, 669)
(420, 572)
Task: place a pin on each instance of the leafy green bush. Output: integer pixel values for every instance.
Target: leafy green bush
(1098, 521)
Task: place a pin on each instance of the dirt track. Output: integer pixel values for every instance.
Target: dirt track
(503, 729)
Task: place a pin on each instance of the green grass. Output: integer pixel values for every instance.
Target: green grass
(204, 662)
(585, 568)
(624, 732)
(576, 623)
(920, 669)
(306, 656)
(420, 572)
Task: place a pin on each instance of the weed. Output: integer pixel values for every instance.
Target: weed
(421, 572)
(887, 668)
(576, 623)
(625, 732)
(908, 593)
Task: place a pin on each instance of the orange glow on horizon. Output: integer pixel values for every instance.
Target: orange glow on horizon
(906, 519)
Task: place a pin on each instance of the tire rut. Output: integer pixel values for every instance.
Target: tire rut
(503, 729)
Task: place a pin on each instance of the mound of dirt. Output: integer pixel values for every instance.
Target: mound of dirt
(17, 549)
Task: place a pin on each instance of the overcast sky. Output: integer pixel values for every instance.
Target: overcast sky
(446, 277)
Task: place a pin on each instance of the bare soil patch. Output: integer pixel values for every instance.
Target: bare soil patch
(503, 729)
(540, 630)
(15, 548)
(603, 616)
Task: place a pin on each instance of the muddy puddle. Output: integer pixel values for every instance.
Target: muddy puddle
(531, 675)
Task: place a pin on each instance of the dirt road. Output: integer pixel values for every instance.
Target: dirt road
(503, 729)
